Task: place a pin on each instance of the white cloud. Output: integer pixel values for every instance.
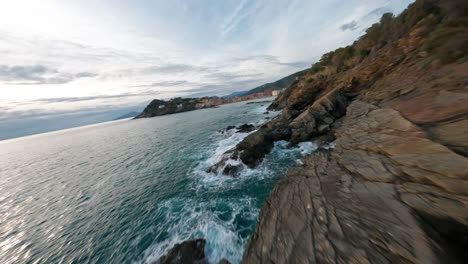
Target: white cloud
(84, 53)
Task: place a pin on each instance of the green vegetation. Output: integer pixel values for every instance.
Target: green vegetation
(178, 104)
(316, 68)
(364, 52)
(449, 42)
(447, 28)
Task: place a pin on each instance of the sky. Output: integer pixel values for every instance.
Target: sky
(74, 62)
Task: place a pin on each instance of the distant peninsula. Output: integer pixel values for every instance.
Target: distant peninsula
(128, 115)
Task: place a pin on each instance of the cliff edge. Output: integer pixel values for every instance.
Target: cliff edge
(394, 189)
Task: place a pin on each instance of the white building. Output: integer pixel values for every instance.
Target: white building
(179, 105)
(161, 106)
(275, 93)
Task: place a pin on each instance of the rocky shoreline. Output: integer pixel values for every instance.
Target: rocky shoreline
(394, 189)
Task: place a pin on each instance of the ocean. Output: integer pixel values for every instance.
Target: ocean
(126, 191)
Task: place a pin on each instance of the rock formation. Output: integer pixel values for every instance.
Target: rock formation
(245, 128)
(385, 194)
(176, 105)
(395, 187)
(188, 252)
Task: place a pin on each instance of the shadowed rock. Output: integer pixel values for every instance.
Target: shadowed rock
(187, 252)
(224, 261)
(245, 128)
(224, 130)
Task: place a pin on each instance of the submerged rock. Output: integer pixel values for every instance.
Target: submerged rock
(245, 128)
(188, 252)
(232, 170)
(224, 130)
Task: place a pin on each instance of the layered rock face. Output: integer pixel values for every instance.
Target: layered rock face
(385, 194)
(395, 187)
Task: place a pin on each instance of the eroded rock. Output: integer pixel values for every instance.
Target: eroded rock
(188, 252)
(385, 194)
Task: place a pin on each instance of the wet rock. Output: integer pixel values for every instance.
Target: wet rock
(224, 130)
(266, 113)
(232, 170)
(188, 252)
(224, 261)
(317, 120)
(245, 128)
(255, 146)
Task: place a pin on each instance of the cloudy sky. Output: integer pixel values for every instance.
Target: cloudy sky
(63, 58)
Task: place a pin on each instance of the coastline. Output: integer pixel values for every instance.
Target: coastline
(180, 105)
(393, 188)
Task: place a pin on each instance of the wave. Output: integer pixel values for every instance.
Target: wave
(217, 221)
(223, 210)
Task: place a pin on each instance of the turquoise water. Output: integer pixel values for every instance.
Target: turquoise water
(127, 191)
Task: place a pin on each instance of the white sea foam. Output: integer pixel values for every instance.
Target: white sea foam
(191, 219)
(216, 220)
(330, 145)
(307, 147)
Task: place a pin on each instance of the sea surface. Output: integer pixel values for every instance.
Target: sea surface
(126, 191)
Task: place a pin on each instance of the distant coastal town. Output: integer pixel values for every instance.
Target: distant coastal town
(214, 101)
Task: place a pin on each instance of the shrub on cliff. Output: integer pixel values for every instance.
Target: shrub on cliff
(448, 43)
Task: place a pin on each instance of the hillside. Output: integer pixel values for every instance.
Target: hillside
(176, 105)
(393, 187)
(278, 85)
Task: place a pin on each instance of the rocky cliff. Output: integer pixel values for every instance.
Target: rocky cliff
(394, 189)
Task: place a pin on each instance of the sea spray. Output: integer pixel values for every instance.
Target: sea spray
(226, 224)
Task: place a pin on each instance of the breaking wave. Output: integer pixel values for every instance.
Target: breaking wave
(224, 220)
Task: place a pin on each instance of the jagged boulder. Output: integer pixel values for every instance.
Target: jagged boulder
(253, 148)
(188, 252)
(318, 118)
(246, 128)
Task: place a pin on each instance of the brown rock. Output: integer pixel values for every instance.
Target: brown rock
(224, 261)
(385, 194)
